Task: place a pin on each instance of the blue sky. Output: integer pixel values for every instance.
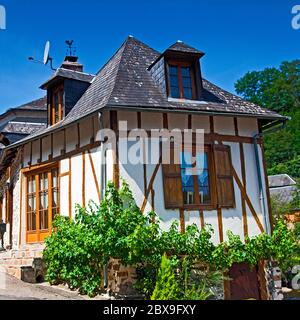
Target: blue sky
(237, 36)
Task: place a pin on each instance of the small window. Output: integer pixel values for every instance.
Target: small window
(57, 106)
(181, 81)
(206, 183)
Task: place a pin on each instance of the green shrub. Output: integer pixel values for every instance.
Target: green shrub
(78, 249)
(166, 285)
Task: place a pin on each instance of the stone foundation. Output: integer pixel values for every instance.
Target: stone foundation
(121, 279)
(12, 261)
(274, 282)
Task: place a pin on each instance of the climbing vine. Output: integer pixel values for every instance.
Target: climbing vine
(78, 249)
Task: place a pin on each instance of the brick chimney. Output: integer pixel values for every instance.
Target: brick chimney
(71, 63)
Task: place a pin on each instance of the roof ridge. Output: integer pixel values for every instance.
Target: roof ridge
(123, 46)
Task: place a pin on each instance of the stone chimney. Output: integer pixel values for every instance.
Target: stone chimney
(71, 63)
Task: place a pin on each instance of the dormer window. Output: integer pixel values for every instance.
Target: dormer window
(177, 72)
(57, 105)
(181, 81)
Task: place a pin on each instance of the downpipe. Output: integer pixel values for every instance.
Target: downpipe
(262, 197)
(102, 181)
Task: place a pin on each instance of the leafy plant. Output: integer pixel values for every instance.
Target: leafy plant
(78, 249)
(166, 287)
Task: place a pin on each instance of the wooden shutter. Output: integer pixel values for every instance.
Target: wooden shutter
(172, 184)
(224, 178)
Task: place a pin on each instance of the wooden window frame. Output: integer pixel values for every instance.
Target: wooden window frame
(179, 64)
(212, 185)
(38, 235)
(216, 201)
(59, 91)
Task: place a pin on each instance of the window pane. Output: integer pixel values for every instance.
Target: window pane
(186, 72)
(173, 81)
(175, 92)
(186, 82)
(187, 178)
(203, 178)
(204, 194)
(202, 160)
(44, 224)
(173, 70)
(55, 199)
(187, 93)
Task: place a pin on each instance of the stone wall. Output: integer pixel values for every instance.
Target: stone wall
(121, 279)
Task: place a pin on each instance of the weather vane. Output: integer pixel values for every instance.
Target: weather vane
(71, 50)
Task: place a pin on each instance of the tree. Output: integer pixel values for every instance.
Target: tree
(166, 285)
(278, 89)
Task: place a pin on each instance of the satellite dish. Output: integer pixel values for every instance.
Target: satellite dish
(46, 52)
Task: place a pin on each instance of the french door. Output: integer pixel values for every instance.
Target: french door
(42, 203)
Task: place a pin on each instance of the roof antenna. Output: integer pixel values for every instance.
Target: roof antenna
(47, 57)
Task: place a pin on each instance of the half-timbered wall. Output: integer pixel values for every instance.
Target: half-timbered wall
(78, 152)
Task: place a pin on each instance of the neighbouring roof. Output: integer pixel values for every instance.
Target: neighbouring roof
(125, 82)
(39, 104)
(283, 187)
(281, 180)
(69, 74)
(23, 127)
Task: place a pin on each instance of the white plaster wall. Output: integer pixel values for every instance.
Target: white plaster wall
(86, 132)
(191, 218)
(177, 121)
(58, 143)
(224, 125)
(46, 147)
(130, 117)
(16, 215)
(201, 122)
(151, 120)
(90, 186)
(64, 166)
(64, 196)
(248, 127)
(252, 190)
(211, 218)
(35, 152)
(134, 175)
(233, 218)
(76, 181)
(71, 138)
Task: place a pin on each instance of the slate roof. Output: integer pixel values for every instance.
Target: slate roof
(283, 187)
(125, 82)
(281, 180)
(180, 46)
(69, 74)
(39, 104)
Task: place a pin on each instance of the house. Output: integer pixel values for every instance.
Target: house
(138, 92)
(19, 122)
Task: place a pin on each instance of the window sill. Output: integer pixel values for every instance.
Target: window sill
(186, 101)
(193, 207)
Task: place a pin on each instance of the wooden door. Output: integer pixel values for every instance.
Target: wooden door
(244, 282)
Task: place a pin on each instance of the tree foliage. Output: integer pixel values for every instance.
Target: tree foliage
(278, 89)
